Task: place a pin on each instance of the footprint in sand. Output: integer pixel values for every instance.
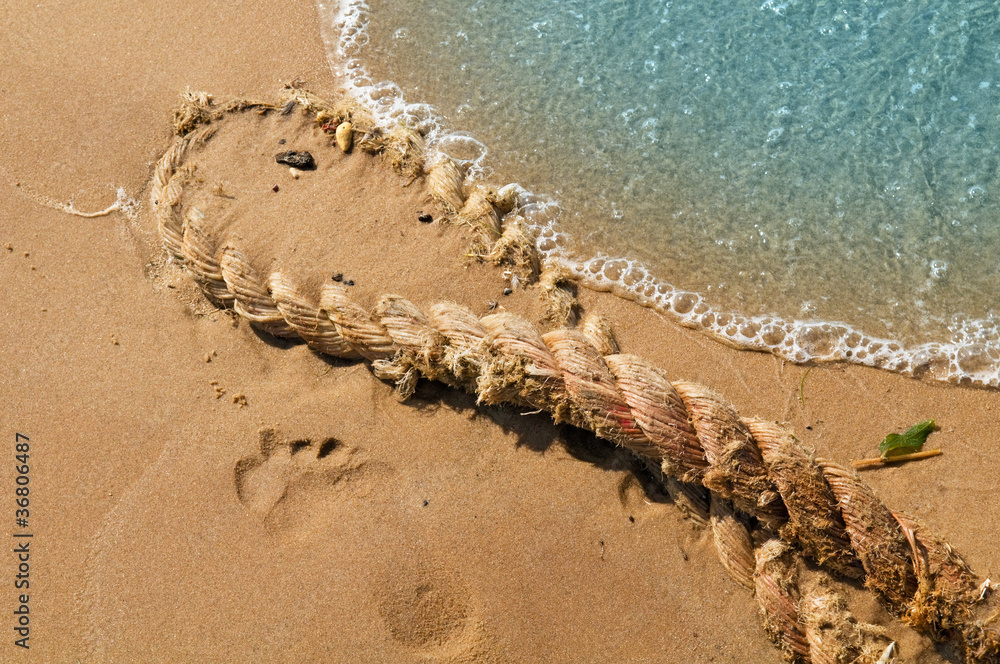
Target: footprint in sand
(292, 486)
(422, 609)
(429, 613)
(297, 487)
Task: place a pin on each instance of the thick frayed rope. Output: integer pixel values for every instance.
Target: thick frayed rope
(752, 480)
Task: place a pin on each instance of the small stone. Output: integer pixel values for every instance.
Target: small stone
(350, 282)
(301, 160)
(338, 277)
(274, 188)
(425, 218)
(345, 136)
(282, 142)
(9, 247)
(507, 291)
(208, 357)
(295, 173)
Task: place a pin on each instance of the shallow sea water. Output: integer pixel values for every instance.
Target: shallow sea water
(771, 165)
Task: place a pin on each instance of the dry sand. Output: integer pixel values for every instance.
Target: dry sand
(317, 518)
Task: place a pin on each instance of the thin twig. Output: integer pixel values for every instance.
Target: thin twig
(862, 464)
(802, 384)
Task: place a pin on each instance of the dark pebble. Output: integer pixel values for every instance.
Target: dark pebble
(350, 282)
(631, 518)
(338, 277)
(274, 188)
(300, 160)
(507, 291)
(426, 503)
(281, 142)
(426, 218)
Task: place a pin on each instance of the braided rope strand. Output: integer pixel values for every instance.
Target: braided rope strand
(751, 467)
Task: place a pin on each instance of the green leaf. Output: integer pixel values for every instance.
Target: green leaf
(906, 443)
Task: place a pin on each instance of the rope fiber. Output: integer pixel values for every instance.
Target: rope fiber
(771, 499)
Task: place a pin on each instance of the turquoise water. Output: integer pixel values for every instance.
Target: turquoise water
(818, 179)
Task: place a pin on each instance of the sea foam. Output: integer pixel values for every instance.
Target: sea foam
(970, 357)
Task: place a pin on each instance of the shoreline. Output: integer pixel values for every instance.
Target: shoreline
(968, 356)
(109, 369)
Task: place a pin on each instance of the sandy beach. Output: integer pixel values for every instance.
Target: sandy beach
(203, 492)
